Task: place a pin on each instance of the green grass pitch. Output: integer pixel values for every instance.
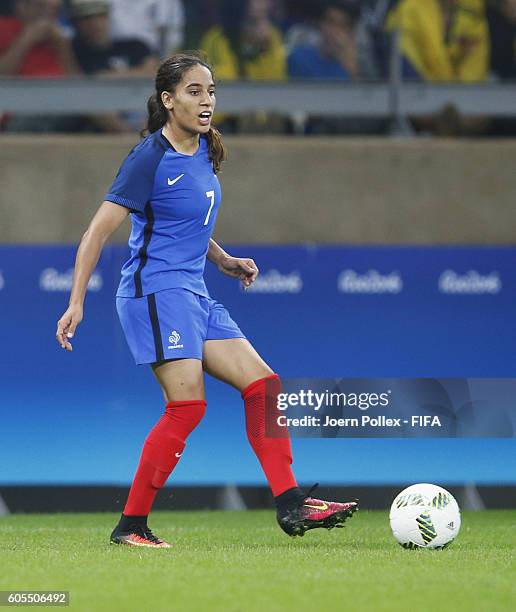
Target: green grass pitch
(242, 561)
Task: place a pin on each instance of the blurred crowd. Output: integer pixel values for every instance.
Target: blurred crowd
(439, 40)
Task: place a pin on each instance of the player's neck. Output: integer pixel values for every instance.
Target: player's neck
(183, 142)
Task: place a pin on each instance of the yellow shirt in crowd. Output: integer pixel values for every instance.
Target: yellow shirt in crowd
(270, 65)
(461, 54)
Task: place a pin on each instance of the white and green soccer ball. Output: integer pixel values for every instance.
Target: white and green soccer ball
(424, 516)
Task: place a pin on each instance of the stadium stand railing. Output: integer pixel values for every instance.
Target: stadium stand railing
(369, 99)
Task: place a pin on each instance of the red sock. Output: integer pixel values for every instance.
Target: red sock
(161, 452)
(274, 453)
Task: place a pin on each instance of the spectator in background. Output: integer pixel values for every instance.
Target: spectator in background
(442, 40)
(300, 27)
(334, 56)
(97, 53)
(158, 23)
(246, 44)
(32, 43)
(501, 15)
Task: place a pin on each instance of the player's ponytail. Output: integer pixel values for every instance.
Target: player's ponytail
(169, 75)
(217, 150)
(157, 114)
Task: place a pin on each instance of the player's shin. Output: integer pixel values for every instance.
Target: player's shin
(161, 452)
(270, 443)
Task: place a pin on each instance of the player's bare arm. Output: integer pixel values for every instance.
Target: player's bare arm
(107, 219)
(244, 269)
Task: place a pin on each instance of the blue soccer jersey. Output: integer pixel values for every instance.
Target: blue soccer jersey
(174, 200)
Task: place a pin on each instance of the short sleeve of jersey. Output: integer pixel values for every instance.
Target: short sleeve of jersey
(134, 182)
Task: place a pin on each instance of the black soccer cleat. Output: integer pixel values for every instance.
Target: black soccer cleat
(311, 513)
(137, 535)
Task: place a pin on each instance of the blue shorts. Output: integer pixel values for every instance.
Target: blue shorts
(173, 324)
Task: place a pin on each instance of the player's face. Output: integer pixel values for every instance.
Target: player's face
(193, 102)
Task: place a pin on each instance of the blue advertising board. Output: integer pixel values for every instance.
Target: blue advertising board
(314, 312)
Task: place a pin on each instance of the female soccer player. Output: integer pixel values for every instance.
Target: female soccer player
(168, 183)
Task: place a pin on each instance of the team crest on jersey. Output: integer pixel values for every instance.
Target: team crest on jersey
(174, 340)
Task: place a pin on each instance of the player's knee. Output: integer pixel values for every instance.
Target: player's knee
(186, 390)
(259, 373)
(185, 416)
(268, 384)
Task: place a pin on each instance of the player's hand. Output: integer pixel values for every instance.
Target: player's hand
(67, 325)
(243, 268)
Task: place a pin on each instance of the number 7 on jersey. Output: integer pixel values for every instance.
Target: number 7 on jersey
(211, 195)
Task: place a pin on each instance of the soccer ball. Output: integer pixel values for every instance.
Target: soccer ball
(424, 516)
